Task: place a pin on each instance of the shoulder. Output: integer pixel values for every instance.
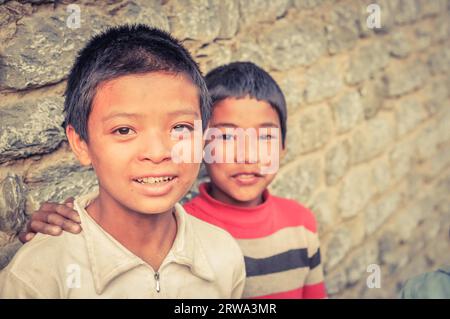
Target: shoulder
(40, 259)
(295, 212)
(43, 244)
(39, 245)
(215, 239)
(205, 230)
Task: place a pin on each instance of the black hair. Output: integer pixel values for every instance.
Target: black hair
(241, 79)
(125, 50)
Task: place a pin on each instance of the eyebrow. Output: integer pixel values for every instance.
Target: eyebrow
(266, 124)
(269, 124)
(224, 125)
(121, 114)
(136, 115)
(184, 112)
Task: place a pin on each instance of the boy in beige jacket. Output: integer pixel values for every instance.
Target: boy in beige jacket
(129, 92)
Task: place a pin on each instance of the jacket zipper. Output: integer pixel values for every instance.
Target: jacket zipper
(158, 287)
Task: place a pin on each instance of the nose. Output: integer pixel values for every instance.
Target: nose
(155, 147)
(247, 147)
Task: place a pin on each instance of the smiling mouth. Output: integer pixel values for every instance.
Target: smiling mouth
(247, 179)
(154, 180)
(246, 175)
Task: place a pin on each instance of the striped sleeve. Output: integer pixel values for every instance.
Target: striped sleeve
(314, 287)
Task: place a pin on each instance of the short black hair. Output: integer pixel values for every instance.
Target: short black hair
(241, 79)
(125, 50)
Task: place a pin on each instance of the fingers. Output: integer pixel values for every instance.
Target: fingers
(22, 237)
(61, 209)
(64, 223)
(39, 215)
(25, 237)
(53, 219)
(48, 206)
(24, 234)
(69, 213)
(69, 201)
(41, 227)
(29, 236)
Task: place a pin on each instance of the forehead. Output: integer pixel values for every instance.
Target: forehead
(149, 92)
(244, 112)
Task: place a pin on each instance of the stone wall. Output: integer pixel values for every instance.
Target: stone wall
(368, 128)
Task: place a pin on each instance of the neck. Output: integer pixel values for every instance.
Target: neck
(223, 197)
(148, 236)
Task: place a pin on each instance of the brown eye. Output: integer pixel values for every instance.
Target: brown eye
(123, 131)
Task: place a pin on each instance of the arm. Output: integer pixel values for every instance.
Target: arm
(239, 279)
(314, 284)
(52, 219)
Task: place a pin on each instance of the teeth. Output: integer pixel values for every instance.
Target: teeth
(154, 180)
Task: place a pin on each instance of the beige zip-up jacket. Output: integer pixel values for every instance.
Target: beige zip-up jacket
(204, 262)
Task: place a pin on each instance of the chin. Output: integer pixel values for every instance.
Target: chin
(245, 197)
(152, 207)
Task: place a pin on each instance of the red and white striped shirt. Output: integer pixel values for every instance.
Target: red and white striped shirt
(278, 239)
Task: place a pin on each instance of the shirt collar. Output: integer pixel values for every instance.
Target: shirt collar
(231, 216)
(203, 190)
(109, 259)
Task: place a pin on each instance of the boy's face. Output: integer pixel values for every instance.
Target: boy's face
(130, 141)
(242, 183)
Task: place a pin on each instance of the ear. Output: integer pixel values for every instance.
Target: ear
(78, 146)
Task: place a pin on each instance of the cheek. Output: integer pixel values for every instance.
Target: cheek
(269, 178)
(189, 171)
(110, 157)
(216, 170)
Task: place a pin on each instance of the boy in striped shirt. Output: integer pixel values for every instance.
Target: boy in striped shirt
(278, 236)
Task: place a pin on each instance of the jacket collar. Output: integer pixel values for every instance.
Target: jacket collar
(108, 258)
